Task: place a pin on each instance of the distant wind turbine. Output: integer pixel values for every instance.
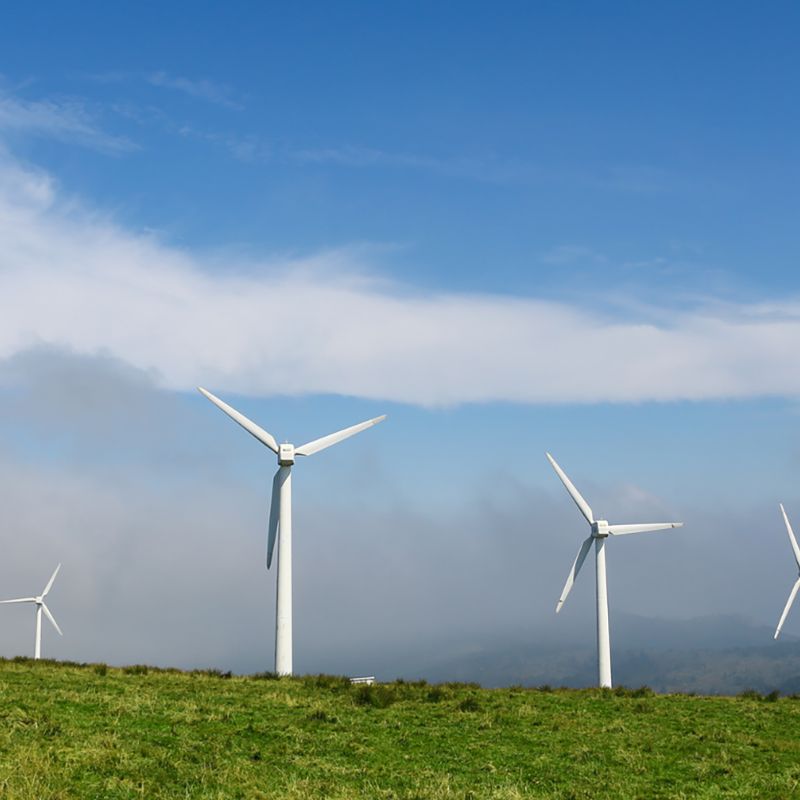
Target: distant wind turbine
(40, 607)
(600, 531)
(793, 593)
(280, 517)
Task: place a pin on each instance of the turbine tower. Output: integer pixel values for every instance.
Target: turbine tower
(40, 607)
(793, 593)
(600, 531)
(280, 517)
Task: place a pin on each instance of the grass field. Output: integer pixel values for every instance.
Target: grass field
(70, 731)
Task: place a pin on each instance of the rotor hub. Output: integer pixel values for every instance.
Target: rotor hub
(600, 529)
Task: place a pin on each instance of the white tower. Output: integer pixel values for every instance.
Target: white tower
(280, 517)
(600, 531)
(41, 606)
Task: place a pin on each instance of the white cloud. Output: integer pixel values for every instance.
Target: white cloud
(317, 325)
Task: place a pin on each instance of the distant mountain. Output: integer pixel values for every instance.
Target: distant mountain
(706, 655)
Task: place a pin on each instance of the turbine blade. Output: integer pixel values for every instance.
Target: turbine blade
(274, 514)
(623, 530)
(573, 492)
(50, 582)
(309, 448)
(573, 573)
(20, 600)
(789, 530)
(263, 436)
(51, 618)
(786, 608)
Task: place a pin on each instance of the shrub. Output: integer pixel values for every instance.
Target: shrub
(624, 691)
(435, 695)
(212, 673)
(332, 682)
(265, 676)
(100, 669)
(374, 696)
(469, 704)
(322, 716)
(136, 669)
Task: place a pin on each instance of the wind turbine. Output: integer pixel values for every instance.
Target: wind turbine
(796, 551)
(280, 517)
(40, 606)
(600, 531)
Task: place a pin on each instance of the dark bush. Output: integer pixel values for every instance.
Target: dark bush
(335, 683)
(212, 673)
(374, 696)
(624, 691)
(136, 669)
(469, 704)
(322, 716)
(435, 695)
(100, 669)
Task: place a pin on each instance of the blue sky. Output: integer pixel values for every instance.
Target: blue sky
(563, 144)
(536, 226)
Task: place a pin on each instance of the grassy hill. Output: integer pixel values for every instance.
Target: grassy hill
(71, 731)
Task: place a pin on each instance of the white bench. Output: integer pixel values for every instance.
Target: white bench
(369, 680)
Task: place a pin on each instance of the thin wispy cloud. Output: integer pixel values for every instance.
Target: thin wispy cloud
(320, 325)
(210, 91)
(487, 169)
(201, 89)
(572, 253)
(66, 120)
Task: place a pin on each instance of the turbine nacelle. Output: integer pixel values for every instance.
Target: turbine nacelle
(600, 529)
(286, 455)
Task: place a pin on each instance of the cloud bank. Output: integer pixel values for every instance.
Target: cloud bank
(324, 324)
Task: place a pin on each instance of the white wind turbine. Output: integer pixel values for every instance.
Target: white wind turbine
(40, 607)
(280, 517)
(600, 531)
(796, 551)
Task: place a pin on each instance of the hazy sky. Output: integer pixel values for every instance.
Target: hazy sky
(513, 229)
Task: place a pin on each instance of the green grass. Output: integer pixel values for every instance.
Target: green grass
(71, 731)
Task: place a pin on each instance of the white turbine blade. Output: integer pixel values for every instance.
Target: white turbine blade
(50, 582)
(263, 436)
(623, 530)
(51, 618)
(573, 573)
(573, 492)
(309, 448)
(787, 607)
(274, 516)
(789, 530)
(20, 600)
